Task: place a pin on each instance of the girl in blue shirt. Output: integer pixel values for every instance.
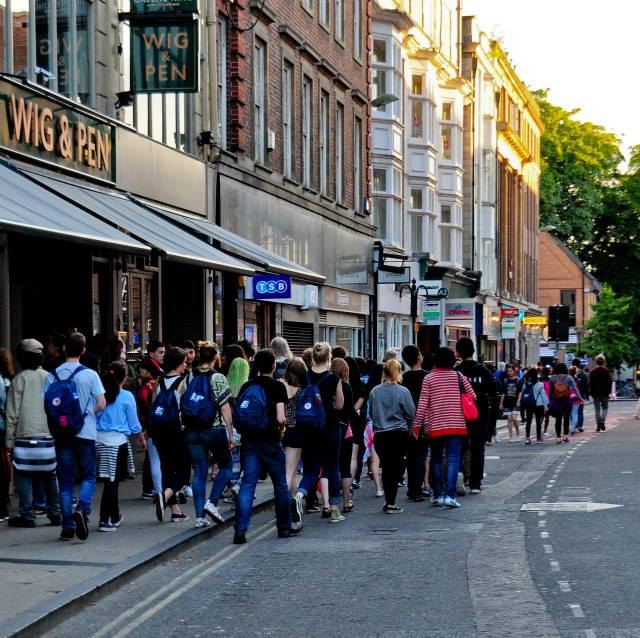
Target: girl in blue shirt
(115, 424)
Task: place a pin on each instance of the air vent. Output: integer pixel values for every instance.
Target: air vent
(323, 318)
(362, 322)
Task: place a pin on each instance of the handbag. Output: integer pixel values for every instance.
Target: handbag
(35, 454)
(469, 408)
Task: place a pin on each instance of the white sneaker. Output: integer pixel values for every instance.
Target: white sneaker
(379, 493)
(188, 492)
(202, 522)
(213, 512)
(450, 502)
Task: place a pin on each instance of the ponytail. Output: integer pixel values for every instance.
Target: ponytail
(112, 380)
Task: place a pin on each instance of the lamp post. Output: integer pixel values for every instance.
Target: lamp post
(414, 290)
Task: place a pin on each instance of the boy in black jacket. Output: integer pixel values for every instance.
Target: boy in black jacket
(484, 386)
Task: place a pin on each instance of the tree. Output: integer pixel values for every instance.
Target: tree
(579, 162)
(610, 329)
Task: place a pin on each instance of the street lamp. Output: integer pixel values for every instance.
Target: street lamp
(414, 290)
(383, 100)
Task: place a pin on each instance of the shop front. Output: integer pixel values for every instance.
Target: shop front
(79, 248)
(343, 319)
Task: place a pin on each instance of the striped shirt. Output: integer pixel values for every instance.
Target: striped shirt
(439, 410)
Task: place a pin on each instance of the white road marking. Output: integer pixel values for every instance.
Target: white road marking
(491, 458)
(192, 576)
(564, 586)
(576, 610)
(555, 565)
(626, 472)
(589, 633)
(544, 534)
(542, 523)
(548, 549)
(568, 506)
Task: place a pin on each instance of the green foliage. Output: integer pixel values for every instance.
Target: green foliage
(610, 331)
(579, 163)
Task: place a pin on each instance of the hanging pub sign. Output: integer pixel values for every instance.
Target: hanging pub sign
(164, 57)
(146, 7)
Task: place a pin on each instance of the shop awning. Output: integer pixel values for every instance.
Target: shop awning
(29, 208)
(116, 208)
(241, 247)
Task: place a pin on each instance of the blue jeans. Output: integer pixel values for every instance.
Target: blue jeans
(213, 440)
(453, 446)
(321, 451)
(254, 455)
(80, 453)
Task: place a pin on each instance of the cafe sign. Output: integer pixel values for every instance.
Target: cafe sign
(164, 57)
(37, 126)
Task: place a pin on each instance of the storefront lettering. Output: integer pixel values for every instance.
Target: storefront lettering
(164, 42)
(75, 141)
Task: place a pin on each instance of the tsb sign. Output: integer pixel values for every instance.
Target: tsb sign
(271, 287)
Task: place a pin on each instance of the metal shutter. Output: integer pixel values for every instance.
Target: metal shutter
(299, 335)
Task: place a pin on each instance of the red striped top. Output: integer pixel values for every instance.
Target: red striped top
(439, 410)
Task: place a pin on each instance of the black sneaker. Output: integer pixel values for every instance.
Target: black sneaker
(290, 533)
(67, 534)
(82, 525)
(55, 521)
(239, 538)
(21, 521)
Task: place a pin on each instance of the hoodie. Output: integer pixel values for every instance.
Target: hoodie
(483, 384)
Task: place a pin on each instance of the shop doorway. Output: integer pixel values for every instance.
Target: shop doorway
(142, 295)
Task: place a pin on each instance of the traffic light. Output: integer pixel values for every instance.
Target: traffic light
(558, 323)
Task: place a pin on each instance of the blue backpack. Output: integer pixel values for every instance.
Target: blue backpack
(164, 414)
(197, 404)
(528, 400)
(65, 416)
(250, 413)
(310, 412)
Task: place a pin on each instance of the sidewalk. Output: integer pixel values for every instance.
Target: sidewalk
(42, 576)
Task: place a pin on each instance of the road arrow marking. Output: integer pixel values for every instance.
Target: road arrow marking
(567, 506)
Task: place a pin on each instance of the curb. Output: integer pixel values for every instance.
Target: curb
(46, 615)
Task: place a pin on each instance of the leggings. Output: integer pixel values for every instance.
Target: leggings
(346, 450)
(562, 422)
(538, 412)
(174, 461)
(391, 447)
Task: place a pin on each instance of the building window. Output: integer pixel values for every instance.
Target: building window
(324, 13)
(324, 143)
(387, 204)
(307, 122)
(568, 298)
(387, 75)
(450, 233)
(259, 94)
(51, 44)
(357, 164)
(287, 119)
(447, 142)
(339, 20)
(357, 29)
(222, 82)
(418, 104)
(448, 132)
(308, 5)
(339, 137)
(422, 216)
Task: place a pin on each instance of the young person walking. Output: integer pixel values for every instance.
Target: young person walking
(511, 387)
(115, 424)
(440, 416)
(28, 438)
(392, 411)
(259, 416)
(78, 453)
(208, 431)
(534, 400)
(293, 440)
(600, 382)
(561, 385)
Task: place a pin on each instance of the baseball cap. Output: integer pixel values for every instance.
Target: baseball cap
(31, 345)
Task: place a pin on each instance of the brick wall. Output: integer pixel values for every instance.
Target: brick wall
(293, 34)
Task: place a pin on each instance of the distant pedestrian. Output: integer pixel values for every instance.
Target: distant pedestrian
(28, 438)
(600, 382)
(533, 399)
(283, 355)
(392, 412)
(561, 384)
(77, 454)
(440, 415)
(511, 388)
(6, 374)
(260, 418)
(293, 441)
(114, 458)
(582, 380)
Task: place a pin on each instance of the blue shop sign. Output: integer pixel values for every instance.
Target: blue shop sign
(271, 287)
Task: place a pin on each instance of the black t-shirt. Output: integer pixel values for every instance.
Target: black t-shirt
(511, 389)
(276, 392)
(412, 380)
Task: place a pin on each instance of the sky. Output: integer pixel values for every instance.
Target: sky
(584, 51)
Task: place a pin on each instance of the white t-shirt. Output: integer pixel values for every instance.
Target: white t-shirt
(89, 388)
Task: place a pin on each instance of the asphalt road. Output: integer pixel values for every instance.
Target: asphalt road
(488, 569)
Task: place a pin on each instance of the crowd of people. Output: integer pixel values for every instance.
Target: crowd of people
(315, 424)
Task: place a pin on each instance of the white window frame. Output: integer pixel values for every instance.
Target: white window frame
(324, 142)
(307, 5)
(288, 93)
(259, 99)
(357, 163)
(324, 13)
(338, 20)
(307, 130)
(357, 30)
(391, 69)
(339, 141)
(453, 229)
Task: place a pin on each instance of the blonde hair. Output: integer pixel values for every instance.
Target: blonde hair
(392, 370)
(321, 352)
(281, 348)
(340, 368)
